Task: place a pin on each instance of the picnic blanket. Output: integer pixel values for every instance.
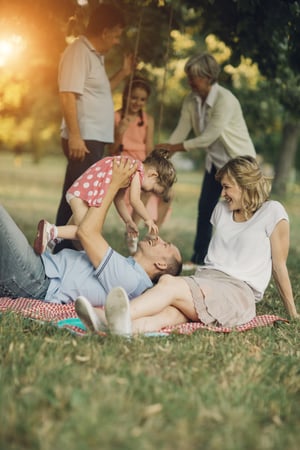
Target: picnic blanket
(64, 316)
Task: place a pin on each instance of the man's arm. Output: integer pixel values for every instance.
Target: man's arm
(77, 147)
(90, 230)
(126, 69)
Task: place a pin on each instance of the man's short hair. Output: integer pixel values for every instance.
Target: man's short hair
(104, 16)
(174, 267)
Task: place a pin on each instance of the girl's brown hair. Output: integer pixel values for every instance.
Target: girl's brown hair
(159, 159)
(137, 82)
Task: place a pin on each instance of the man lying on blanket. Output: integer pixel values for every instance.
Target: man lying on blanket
(93, 272)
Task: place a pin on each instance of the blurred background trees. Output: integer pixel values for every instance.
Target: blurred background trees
(255, 41)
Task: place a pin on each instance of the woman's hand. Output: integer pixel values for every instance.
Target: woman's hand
(129, 64)
(172, 148)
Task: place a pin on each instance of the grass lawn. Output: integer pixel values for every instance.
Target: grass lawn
(205, 391)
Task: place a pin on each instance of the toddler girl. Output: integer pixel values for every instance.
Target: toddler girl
(156, 174)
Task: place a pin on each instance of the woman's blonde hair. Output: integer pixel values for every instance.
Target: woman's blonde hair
(246, 172)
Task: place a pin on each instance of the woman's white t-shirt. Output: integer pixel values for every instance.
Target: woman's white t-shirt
(243, 249)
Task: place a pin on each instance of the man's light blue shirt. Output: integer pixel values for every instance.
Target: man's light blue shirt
(71, 274)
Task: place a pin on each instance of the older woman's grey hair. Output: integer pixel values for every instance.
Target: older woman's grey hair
(203, 65)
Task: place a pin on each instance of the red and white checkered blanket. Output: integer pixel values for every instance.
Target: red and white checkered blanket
(65, 316)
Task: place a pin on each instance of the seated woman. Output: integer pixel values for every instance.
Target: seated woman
(249, 243)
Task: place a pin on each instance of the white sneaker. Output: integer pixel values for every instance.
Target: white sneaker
(89, 317)
(117, 311)
(45, 235)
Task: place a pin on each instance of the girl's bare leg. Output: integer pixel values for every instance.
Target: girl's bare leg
(66, 231)
(79, 209)
(69, 231)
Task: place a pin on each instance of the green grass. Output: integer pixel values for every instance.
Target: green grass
(204, 391)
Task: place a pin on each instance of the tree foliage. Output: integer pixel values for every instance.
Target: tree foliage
(267, 31)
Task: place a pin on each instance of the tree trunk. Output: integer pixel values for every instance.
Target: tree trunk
(285, 162)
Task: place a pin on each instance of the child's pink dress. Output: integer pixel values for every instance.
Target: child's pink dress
(92, 185)
(134, 138)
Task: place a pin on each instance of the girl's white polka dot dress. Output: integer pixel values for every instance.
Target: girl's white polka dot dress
(92, 185)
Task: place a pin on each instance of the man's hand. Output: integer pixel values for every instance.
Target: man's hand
(129, 64)
(127, 68)
(123, 169)
(77, 148)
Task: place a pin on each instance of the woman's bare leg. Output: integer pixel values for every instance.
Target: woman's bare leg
(168, 303)
(168, 317)
(169, 291)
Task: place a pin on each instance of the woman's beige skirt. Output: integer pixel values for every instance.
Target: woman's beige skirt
(221, 299)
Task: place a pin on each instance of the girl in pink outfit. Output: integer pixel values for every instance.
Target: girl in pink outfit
(134, 128)
(156, 174)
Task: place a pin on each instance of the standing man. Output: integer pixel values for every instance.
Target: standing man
(215, 116)
(85, 95)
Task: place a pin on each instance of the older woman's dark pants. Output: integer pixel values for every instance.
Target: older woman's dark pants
(210, 194)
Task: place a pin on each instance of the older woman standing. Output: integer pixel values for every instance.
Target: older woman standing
(215, 116)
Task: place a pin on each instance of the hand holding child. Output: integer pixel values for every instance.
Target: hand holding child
(122, 172)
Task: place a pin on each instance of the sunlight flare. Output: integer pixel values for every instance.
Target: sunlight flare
(10, 48)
